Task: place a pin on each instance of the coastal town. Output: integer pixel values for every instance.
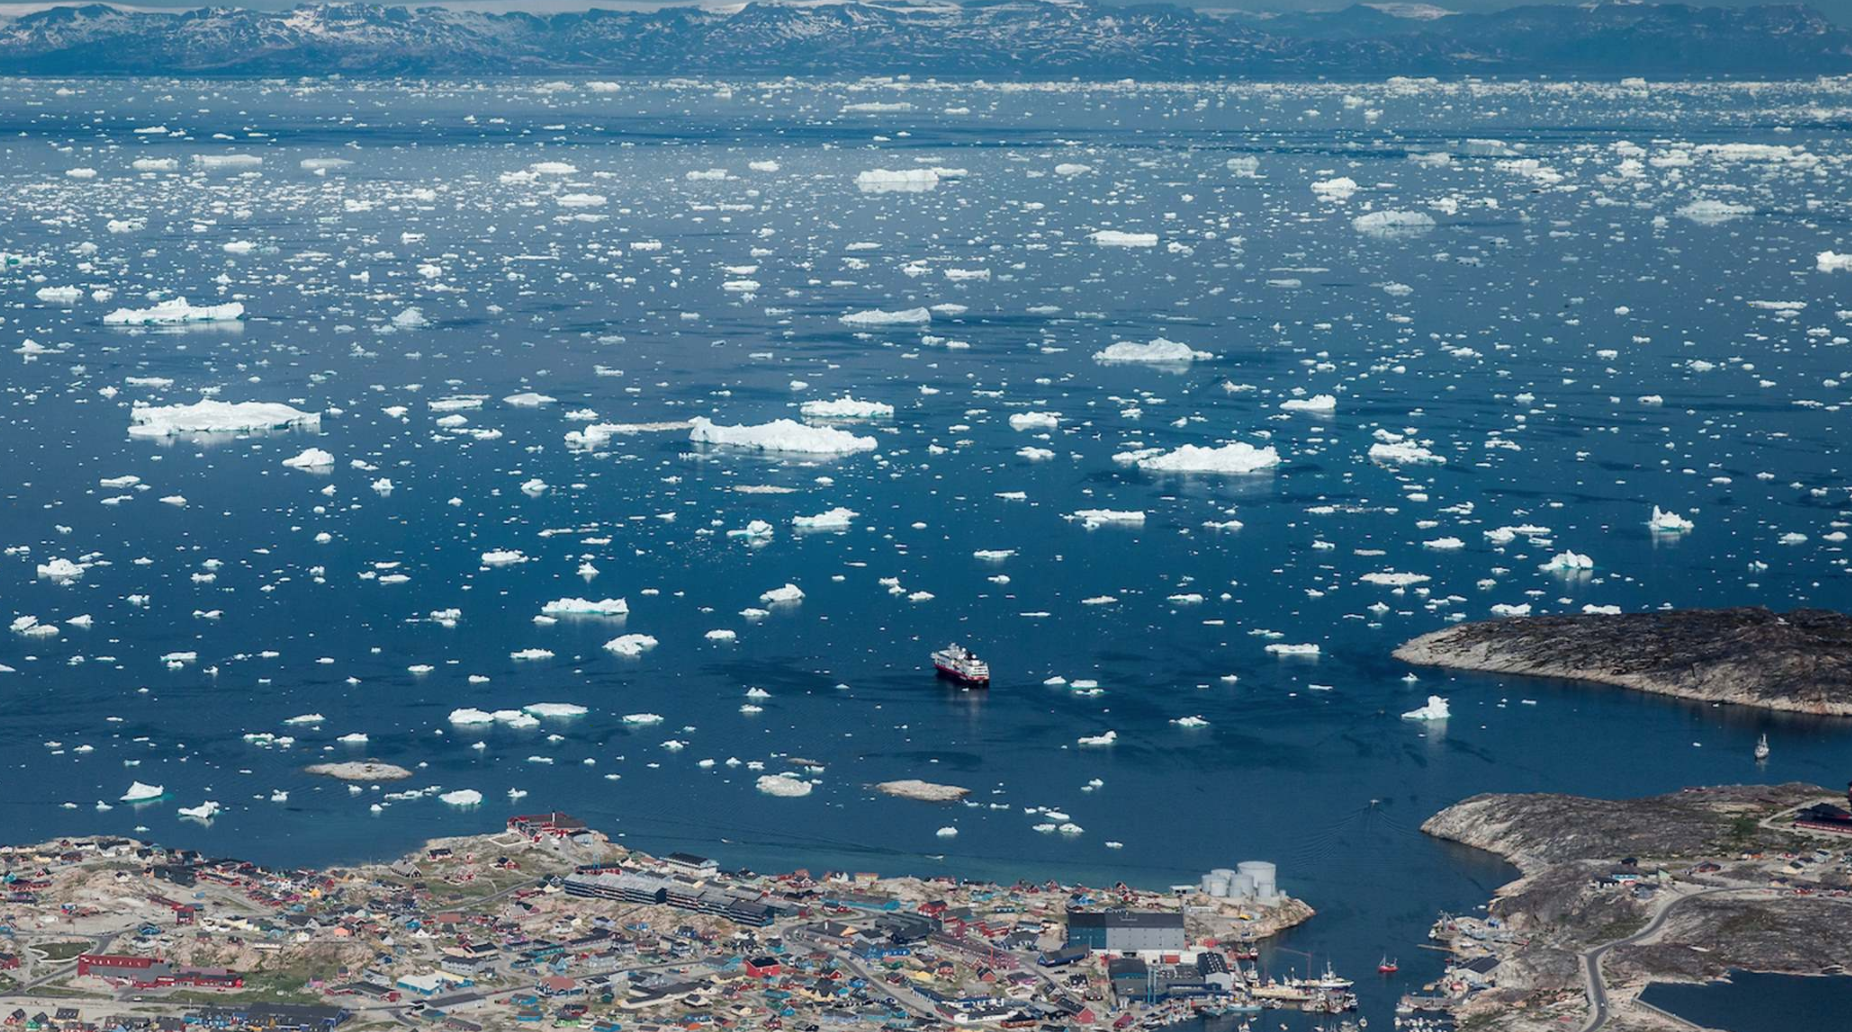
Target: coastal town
(550, 923)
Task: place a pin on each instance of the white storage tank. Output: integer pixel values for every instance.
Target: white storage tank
(1241, 886)
(1215, 883)
(1266, 887)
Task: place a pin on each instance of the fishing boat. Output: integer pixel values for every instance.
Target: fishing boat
(962, 665)
(1387, 967)
(1762, 748)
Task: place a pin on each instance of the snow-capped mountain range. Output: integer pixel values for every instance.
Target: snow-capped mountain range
(1017, 39)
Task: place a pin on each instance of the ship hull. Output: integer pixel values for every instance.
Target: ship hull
(951, 674)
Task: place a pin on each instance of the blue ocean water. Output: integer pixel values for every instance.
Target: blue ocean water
(1751, 1002)
(1619, 305)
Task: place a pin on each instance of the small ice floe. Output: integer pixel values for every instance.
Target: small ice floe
(846, 407)
(786, 595)
(909, 180)
(1157, 352)
(202, 813)
(306, 718)
(630, 645)
(780, 435)
(1709, 211)
(755, 531)
(462, 797)
(876, 318)
(61, 570)
(528, 655)
(172, 311)
(143, 793)
(1828, 261)
(557, 710)
(1444, 544)
(947, 832)
(785, 786)
(1337, 189)
(1403, 453)
(353, 738)
(1315, 403)
(1393, 579)
(1091, 518)
(1666, 522)
(210, 416)
(503, 557)
(1594, 610)
(1235, 457)
(311, 459)
(1436, 709)
(1393, 223)
(1119, 238)
(586, 607)
(834, 519)
(1195, 721)
(642, 719)
(1568, 562)
(1503, 609)
(1102, 739)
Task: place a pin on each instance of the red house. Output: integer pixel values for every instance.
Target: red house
(763, 967)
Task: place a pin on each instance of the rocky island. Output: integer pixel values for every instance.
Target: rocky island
(1750, 656)
(1615, 894)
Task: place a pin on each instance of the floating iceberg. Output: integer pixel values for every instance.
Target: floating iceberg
(911, 180)
(781, 435)
(786, 786)
(1403, 453)
(175, 310)
(835, 519)
(1669, 522)
(876, 317)
(787, 594)
(1828, 261)
(216, 417)
(1336, 189)
(1706, 211)
(1393, 223)
(1436, 709)
(203, 813)
(1157, 352)
(1099, 517)
(462, 797)
(1568, 562)
(311, 458)
(143, 793)
(1115, 238)
(586, 607)
(554, 709)
(1234, 457)
(1104, 739)
(846, 407)
(630, 644)
(1315, 403)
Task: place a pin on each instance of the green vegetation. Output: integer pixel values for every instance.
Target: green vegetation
(59, 952)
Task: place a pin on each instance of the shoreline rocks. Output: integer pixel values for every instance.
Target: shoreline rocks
(1799, 661)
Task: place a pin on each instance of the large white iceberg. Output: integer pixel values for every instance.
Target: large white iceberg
(312, 459)
(835, 519)
(780, 435)
(909, 180)
(630, 644)
(1668, 522)
(462, 797)
(1233, 457)
(211, 416)
(1116, 238)
(786, 786)
(1392, 223)
(175, 310)
(1159, 351)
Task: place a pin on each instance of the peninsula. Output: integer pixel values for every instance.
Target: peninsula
(1615, 894)
(1749, 656)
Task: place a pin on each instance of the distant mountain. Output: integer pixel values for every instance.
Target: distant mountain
(997, 39)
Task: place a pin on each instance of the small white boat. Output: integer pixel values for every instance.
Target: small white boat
(1762, 748)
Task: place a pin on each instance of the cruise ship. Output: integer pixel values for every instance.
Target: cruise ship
(962, 665)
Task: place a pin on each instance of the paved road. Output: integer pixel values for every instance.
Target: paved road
(1596, 987)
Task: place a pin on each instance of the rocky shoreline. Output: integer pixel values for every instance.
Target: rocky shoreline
(1684, 886)
(1800, 661)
